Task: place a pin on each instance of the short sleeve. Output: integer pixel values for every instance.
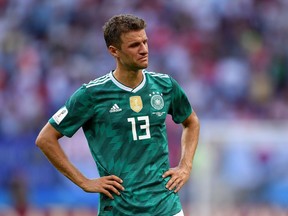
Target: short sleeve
(77, 110)
(180, 107)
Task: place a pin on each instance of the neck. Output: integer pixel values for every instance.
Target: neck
(129, 78)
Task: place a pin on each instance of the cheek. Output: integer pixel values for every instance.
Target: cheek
(126, 60)
(129, 57)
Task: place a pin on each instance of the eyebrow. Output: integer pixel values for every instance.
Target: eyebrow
(135, 43)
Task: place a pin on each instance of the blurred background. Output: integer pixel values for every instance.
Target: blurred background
(229, 56)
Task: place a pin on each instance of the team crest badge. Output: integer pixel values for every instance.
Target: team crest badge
(136, 103)
(157, 101)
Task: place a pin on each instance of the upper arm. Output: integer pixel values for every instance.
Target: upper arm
(48, 133)
(180, 107)
(191, 121)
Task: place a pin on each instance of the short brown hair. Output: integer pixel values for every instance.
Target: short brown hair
(120, 24)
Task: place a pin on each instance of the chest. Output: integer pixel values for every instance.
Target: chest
(133, 111)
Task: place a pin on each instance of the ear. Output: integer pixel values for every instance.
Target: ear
(113, 51)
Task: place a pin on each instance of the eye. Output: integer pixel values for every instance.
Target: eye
(133, 45)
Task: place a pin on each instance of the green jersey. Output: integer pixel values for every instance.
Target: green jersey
(126, 132)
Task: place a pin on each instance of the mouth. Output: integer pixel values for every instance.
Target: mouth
(143, 58)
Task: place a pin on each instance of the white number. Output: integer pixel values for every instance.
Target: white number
(133, 123)
(145, 126)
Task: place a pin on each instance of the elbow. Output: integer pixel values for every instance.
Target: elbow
(197, 122)
(43, 139)
(40, 141)
(47, 136)
(192, 122)
(44, 143)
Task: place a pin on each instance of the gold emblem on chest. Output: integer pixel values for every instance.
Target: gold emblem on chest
(136, 103)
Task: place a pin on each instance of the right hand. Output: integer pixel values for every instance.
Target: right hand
(104, 185)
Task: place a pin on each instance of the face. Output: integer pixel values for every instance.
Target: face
(133, 54)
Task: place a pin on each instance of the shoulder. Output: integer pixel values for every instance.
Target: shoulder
(156, 75)
(160, 78)
(90, 88)
(163, 80)
(100, 81)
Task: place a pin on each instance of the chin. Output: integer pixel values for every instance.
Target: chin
(144, 66)
(141, 67)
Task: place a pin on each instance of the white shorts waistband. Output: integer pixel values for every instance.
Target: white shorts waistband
(181, 213)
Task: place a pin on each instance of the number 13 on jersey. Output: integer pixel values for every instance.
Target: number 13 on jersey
(144, 124)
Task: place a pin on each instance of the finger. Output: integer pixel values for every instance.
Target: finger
(112, 189)
(115, 178)
(179, 186)
(168, 173)
(117, 185)
(174, 185)
(107, 193)
(170, 182)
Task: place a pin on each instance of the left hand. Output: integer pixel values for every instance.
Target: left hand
(179, 176)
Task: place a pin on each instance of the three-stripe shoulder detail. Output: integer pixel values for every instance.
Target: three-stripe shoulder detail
(98, 81)
(154, 74)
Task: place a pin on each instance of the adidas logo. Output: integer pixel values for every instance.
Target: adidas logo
(115, 108)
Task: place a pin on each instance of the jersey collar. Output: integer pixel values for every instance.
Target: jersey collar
(126, 88)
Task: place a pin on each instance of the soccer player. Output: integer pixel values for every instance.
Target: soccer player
(123, 117)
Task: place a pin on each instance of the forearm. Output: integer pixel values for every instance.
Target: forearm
(51, 148)
(189, 141)
(57, 157)
(47, 141)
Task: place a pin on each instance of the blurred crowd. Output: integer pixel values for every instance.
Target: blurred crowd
(231, 57)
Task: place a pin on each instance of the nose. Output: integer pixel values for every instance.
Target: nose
(144, 48)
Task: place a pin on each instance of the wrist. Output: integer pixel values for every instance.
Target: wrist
(82, 183)
(186, 165)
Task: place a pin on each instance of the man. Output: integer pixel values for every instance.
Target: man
(123, 117)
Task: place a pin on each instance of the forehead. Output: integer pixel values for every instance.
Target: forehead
(133, 36)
